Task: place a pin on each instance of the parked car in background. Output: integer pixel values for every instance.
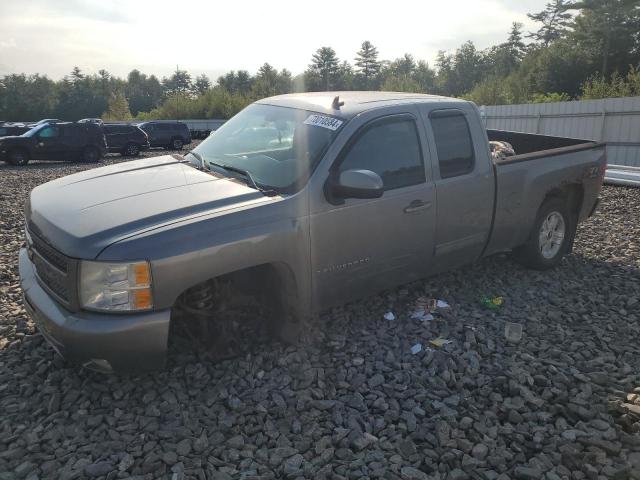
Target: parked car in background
(11, 129)
(61, 141)
(44, 121)
(97, 121)
(125, 139)
(167, 133)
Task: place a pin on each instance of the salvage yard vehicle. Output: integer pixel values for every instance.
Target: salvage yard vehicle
(127, 140)
(60, 141)
(355, 194)
(168, 134)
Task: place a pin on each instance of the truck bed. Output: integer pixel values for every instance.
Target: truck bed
(529, 146)
(542, 164)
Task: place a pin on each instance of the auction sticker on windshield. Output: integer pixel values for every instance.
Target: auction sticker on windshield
(323, 121)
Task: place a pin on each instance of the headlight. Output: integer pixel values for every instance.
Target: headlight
(115, 286)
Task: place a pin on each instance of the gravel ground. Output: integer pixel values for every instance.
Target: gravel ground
(563, 403)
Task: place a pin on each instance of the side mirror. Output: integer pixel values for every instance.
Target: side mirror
(357, 184)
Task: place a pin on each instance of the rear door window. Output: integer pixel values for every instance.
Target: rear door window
(453, 143)
(390, 148)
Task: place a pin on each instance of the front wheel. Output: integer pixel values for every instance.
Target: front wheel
(90, 155)
(550, 238)
(177, 144)
(18, 157)
(131, 150)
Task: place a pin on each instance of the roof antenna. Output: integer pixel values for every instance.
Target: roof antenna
(336, 104)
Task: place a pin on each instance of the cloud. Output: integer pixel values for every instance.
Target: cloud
(51, 37)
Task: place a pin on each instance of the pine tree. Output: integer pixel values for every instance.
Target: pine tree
(323, 70)
(555, 21)
(610, 28)
(118, 108)
(202, 84)
(367, 64)
(514, 43)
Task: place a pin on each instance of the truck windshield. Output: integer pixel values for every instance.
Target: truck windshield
(278, 146)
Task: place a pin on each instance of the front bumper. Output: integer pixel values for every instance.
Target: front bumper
(105, 342)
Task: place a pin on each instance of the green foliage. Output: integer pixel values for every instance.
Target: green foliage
(555, 20)
(582, 49)
(550, 97)
(323, 71)
(617, 86)
(118, 108)
(367, 66)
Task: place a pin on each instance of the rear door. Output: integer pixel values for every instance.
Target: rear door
(464, 183)
(152, 131)
(116, 138)
(366, 245)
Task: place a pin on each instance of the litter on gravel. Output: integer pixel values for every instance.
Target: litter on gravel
(440, 342)
(389, 316)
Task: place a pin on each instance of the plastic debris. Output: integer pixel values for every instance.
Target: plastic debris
(422, 315)
(389, 316)
(417, 348)
(492, 303)
(513, 332)
(424, 308)
(440, 342)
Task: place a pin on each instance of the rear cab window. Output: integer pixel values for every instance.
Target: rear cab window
(454, 144)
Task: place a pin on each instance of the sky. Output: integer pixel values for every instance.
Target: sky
(52, 36)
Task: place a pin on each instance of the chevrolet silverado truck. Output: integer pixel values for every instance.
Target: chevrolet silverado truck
(309, 200)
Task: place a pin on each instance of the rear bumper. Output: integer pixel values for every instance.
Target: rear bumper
(105, 342)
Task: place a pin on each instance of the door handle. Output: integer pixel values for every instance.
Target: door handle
(416, 206)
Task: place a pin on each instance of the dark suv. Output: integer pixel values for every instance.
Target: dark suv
(125, 139)
(61, 141)
(168, 134)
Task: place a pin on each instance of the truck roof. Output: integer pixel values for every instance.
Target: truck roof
(354, 102)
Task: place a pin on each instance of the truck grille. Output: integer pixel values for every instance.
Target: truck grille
(56, 271)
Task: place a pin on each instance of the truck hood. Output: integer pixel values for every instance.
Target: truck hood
(82, 214)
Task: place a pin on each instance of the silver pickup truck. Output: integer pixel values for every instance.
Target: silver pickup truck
(308, 200)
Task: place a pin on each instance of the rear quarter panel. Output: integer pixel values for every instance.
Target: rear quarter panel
(522, 186)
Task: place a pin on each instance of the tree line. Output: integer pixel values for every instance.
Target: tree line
(582, 49)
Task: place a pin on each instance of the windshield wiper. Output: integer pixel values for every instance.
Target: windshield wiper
(246, 173)
(198, 157)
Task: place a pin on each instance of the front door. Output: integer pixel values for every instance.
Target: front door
(366, 245)
(48, 143)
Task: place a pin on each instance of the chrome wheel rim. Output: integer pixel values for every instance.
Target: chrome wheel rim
(552, 232)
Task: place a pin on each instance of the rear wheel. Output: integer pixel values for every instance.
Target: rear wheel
(551, 236)
(18, 157)
(90, 155)
(131, 150)
(177, 144)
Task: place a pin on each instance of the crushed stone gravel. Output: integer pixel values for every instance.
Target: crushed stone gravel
(354, 402)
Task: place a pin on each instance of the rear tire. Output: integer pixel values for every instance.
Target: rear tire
(176, 144)
(18, 157)
(551, 236)
(131, 150)
(90, 155)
